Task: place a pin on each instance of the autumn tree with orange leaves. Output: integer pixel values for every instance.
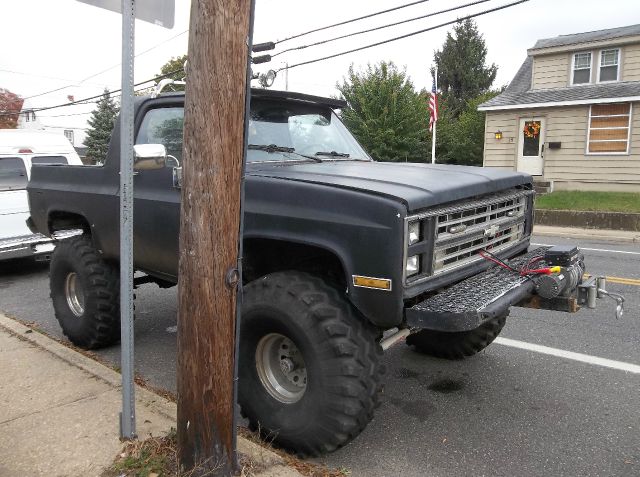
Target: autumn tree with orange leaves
(10, 106)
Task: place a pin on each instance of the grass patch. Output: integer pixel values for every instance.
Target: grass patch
(158, 457)
(153, 457)
(590, 201)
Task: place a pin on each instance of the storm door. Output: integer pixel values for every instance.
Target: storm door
(531, 146)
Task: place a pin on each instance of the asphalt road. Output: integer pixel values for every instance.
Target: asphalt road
(505, 412)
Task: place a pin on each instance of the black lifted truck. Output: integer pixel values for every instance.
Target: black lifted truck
(343, 257)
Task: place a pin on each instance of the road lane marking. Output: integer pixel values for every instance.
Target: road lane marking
(623, 281)
(591, 249)
(560, 353)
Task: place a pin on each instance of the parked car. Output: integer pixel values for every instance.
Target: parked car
(19, 150)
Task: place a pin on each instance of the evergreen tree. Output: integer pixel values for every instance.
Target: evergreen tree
(461, 140)
(462, 72)
(101, 123)
(385, 113)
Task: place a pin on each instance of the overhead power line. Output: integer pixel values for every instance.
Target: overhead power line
(484, 12)
(352, 20)
(89, 99)
(322, 42)
(36, 75)
(107, 69)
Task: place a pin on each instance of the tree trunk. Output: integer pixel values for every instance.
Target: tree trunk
(209, 229)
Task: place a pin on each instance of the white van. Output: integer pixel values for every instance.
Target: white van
(19, 149)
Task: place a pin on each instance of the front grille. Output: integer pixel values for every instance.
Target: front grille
(449, 256)
(459, 231)
(461, 234)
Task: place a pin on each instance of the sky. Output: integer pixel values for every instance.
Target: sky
(67, 44)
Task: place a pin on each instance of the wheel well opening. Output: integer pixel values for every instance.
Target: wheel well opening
(264, 256)
(67, 220)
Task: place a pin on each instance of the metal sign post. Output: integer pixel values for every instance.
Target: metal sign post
(162, 13)
(128, 414)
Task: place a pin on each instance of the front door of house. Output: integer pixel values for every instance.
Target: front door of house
(531, 146)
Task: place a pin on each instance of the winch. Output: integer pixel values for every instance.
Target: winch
(568, 263)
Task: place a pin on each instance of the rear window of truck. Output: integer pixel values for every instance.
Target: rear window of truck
(13, 174)
(49, 160)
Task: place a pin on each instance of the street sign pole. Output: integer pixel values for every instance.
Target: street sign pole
(128, 414)
(161, 13)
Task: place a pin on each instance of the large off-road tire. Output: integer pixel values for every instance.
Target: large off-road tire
(457, 345)
(86, 294)
(309, 372)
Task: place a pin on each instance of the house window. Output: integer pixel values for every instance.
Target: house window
(68, 133)
(581, 68)
(609, 65)
(609, 128)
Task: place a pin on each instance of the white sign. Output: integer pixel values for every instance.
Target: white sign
(158, 12)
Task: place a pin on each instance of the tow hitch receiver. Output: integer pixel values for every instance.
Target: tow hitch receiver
(556, 285)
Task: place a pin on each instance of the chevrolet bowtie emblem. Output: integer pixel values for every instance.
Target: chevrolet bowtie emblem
(491, 231)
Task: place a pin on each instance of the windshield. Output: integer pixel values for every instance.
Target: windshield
(13, 174)
(310, 130)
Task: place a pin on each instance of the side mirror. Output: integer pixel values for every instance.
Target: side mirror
(149, 157)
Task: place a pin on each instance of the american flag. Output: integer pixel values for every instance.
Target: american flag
(433, 105)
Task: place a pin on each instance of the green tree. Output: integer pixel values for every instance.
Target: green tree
(461, 140)
(385, 113)
(101, 126)
(462, 71)
(175, 66)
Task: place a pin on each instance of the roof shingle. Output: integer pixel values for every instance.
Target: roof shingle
(576, 38)
(519, 91)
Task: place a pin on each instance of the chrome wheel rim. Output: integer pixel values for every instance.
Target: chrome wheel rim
(281, 368)
(74, 293)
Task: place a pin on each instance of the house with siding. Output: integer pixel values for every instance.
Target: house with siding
(571, 115)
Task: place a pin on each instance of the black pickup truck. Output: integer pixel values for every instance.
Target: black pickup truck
(343, 257)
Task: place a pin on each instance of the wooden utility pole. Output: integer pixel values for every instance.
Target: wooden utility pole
(209, 231)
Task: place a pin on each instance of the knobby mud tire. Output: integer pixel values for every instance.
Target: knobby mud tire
(98, 325)
(457, 345)
(341, 357)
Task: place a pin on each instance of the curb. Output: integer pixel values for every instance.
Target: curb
(154, 402)
(587, 234)
(620, 221)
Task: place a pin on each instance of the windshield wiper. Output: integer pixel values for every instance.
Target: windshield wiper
(332, 154)
(271, 148)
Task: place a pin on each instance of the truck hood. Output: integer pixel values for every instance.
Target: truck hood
(417, 185)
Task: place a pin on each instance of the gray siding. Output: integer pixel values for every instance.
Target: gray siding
(570, 166)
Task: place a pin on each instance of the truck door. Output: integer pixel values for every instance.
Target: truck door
(156, 213)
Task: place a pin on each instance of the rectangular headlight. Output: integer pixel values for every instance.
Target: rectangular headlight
(413, 265)
(414, 232)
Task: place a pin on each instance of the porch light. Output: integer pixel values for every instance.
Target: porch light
(498, 134)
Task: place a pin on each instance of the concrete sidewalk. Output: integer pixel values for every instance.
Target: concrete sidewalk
(588, 234)
(59, 411)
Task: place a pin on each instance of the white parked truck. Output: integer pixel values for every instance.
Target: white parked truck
(19, 149)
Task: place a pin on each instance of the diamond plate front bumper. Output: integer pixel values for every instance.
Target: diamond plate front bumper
(469, 303)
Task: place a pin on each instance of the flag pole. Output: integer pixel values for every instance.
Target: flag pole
(433, 138)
